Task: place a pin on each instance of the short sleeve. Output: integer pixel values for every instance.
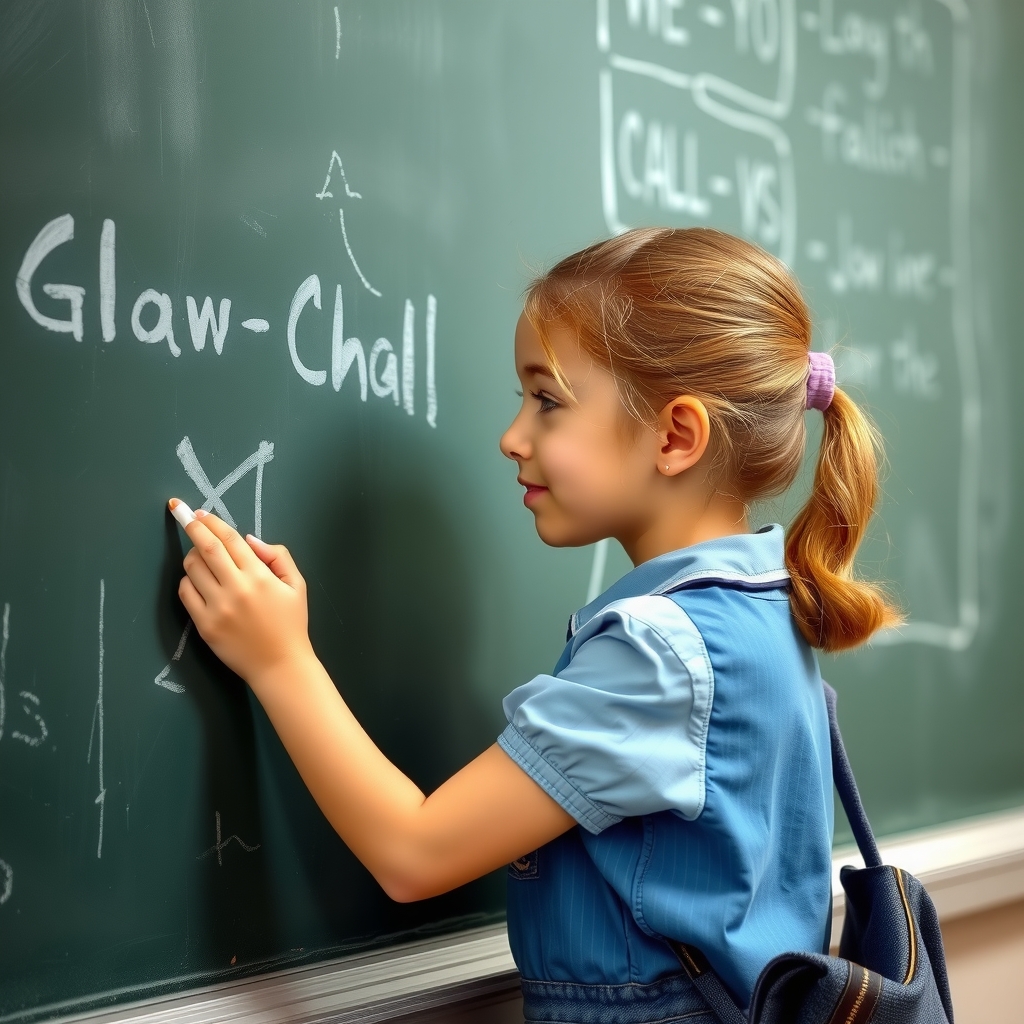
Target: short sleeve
(622, 729)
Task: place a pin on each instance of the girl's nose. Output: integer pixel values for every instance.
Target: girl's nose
(513, 443)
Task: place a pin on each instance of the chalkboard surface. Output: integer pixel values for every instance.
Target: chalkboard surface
(269, 257)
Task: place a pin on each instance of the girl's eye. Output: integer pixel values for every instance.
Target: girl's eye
(546, 402)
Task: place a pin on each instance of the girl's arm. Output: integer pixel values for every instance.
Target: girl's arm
(252, 612)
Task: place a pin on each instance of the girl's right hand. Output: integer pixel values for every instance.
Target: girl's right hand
(247, 599)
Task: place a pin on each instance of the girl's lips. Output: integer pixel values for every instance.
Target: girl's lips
(532, 494)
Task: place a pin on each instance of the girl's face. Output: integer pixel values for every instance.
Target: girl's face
(585, 477)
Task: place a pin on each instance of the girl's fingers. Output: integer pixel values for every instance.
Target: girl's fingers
(206, 542)
(278, 560)
(191, 598)
(201, 575)
(240, 552)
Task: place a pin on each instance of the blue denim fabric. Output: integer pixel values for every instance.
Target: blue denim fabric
(663, 1002)
(737, 861)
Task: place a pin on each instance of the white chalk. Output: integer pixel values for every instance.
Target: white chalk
(183, 513)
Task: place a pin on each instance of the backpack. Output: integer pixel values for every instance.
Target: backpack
(891, 968)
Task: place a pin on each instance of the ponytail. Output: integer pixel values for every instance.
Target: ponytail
(833, 610)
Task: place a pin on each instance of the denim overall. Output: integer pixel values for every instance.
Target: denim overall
(739, 863)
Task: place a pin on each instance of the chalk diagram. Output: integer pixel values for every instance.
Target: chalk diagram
(213, 501)
(763, 195)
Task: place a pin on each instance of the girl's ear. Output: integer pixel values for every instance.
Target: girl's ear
(684, 430)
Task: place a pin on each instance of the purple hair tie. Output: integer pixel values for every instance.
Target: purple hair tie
(821, 382)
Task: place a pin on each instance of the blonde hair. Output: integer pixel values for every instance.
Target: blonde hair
(698, 312)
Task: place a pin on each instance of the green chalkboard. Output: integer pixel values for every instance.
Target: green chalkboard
(269, 257)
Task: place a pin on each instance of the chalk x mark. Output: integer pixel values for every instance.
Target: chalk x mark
(219, 846)
(214, 495)
(215, 501)
(161, 679)
(256, 325)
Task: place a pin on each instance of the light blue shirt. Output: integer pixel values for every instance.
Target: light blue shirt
(684, 728)
(622, 729)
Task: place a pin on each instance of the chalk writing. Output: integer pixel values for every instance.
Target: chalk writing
(347, 353)
(221, 844)
(203, 321)
(108, 282)
(758, 28)
(431, 383)
(648, 160)
(98, 720)
(387, 384)
(30, 700)
(660, 20)
(55, 233)
(161, 677)
(152, 316)
(8, 882)
(31, 703)
(913, 43)
(760, 211)
(309, 289)
(163, 329)
(659, 178)
(914, 372)
(325, 193)
(878, 141)
(855, 35)
(860, 266)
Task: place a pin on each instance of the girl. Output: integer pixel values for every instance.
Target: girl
(671, 780)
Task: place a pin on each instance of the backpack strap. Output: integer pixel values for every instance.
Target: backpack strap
(708, 984)
(846, 786)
